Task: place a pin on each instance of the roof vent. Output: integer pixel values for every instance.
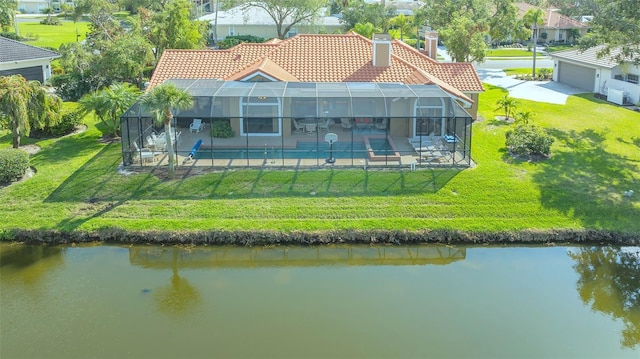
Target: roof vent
(381, 50)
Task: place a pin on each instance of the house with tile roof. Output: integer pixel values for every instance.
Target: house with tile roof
(32, 62)
(596, 74)
(308, 86)
(556, 27)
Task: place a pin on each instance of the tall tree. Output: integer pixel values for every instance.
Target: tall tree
(504, 23)
(534, 17)
(162, 100)
(462, 25)
(418, 21)
(358, 11)
(7, 13)
(288, 13)
(174, 28)
(616, 25)
(19, 99)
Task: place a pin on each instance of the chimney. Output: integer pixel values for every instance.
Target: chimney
(381, 50)
(431, 44)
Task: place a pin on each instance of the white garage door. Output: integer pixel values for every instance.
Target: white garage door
(576, 76)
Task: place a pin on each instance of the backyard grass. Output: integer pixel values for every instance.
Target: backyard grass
(53, 36)
(596, 157)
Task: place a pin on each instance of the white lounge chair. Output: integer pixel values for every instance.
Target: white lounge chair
(196, 125)
(346, 124)
(144, 153)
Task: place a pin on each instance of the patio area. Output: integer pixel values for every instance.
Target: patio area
(304, 125)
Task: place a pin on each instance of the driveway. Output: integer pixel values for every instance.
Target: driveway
(540, 91)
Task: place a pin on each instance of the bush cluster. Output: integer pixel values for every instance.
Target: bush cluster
(11, 35)
(14, 164)
(231, 41)
(529, 140)
(221, 129)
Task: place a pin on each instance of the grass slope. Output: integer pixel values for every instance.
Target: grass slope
(596, 157)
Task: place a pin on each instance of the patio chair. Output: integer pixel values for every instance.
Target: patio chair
(196, 125)
(345, 124)
(298, 126)
(144, 153)
(325, 125)
(382, 125)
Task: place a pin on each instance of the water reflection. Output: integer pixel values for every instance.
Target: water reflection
(29, 264)
(610, 283)
(178, 298)
(230, 257)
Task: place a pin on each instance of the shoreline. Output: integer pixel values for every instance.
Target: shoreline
(262, 238)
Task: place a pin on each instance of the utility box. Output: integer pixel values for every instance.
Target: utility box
(615, 96)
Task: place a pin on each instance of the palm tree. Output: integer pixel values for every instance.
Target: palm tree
(161, 100)
(535, 17)
(402, 23)
(15, 93)
(95, 102)
(119, 97)
(508, 104)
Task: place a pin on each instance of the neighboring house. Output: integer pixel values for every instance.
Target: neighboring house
(32, 62)
(257, 22)
(598, 75)
(556, 27)
(279, 93)
(32, 6)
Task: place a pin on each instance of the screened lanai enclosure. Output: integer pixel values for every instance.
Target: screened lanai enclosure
(298, 124)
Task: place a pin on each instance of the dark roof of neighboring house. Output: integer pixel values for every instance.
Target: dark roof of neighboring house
(317, 58)
(552, 18)
(588, 57)
(12, 51)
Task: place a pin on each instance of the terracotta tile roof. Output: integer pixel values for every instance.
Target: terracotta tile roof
(318, 58)
(552, 19)
(206, 64)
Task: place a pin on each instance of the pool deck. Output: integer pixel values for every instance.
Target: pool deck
(404, 156)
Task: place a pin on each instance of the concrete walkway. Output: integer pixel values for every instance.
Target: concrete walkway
(540, 91)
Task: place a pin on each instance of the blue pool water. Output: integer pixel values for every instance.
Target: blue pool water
(302, 150)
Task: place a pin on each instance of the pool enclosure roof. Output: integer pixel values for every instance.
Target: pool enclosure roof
(330, 99)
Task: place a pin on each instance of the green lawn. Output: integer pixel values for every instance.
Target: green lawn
(50, 35)
(596, 157)
(509, 53)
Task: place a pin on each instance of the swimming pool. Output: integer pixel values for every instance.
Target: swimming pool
(306, 150)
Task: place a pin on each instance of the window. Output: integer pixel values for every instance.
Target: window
(268, 121)
(430, 117)
(618, 77)
(632, 79)
(232, 31)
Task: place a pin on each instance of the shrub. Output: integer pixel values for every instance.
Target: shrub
(231, 41)
(11, 35)
(545, 73)
(529, 140)
(221, 129)
(14, 164)
(51, 21)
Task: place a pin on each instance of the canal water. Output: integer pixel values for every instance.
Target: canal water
(107, 301)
